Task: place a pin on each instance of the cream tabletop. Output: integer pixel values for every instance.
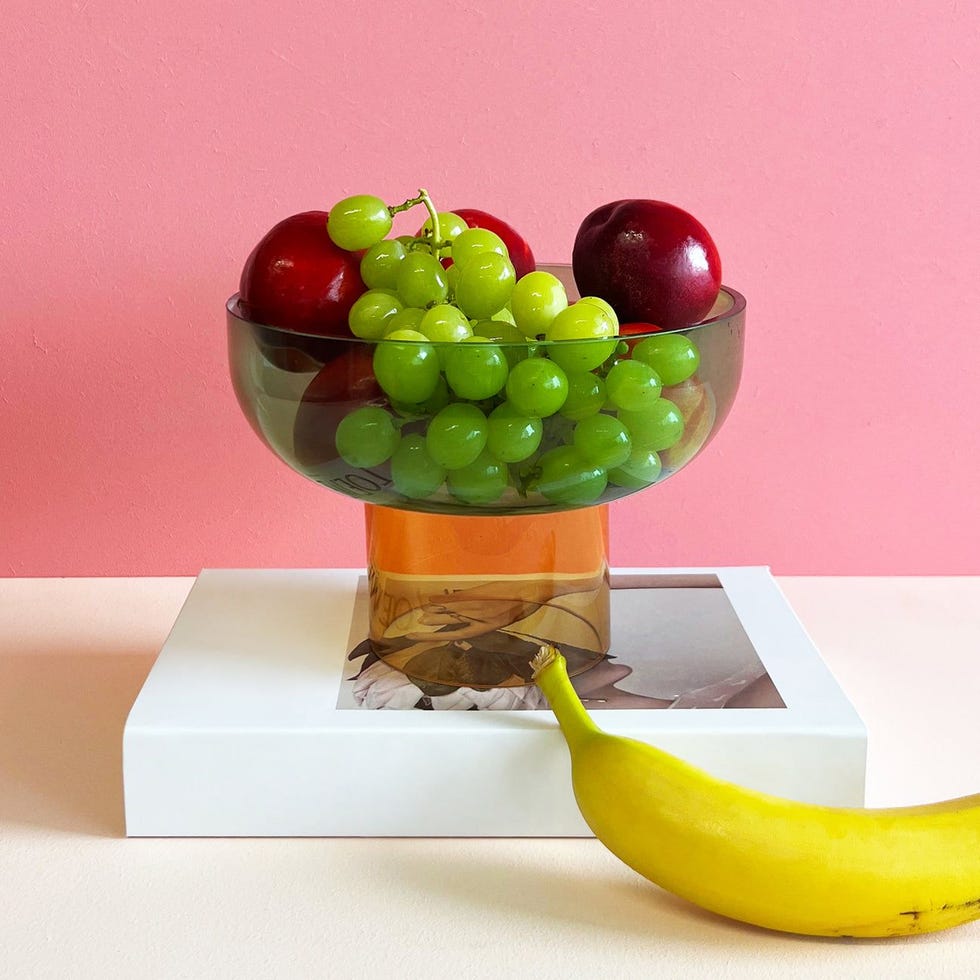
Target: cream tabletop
(78, 899)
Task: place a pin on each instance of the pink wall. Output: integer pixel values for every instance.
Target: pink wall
(831, 148)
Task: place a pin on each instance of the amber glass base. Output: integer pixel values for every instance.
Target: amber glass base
(467, 601)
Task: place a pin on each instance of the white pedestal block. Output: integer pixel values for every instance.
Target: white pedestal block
(251, 722)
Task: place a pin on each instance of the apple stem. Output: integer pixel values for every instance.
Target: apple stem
(423, 198)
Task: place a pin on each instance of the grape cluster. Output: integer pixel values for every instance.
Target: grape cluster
(497, 386)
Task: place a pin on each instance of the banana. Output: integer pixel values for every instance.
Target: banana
(772, 862)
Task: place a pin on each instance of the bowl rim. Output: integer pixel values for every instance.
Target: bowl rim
(735, 308)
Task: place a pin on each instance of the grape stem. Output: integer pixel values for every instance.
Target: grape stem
(423, 198)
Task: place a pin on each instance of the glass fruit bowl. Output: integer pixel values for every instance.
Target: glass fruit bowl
(500, 427)
(485, 468)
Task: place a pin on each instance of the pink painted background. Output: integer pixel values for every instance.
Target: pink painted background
(831, 148)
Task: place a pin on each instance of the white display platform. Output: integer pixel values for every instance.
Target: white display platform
(251, 722)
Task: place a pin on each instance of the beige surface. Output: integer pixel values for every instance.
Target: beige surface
(79, 900)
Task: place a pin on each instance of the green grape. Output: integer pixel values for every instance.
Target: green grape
(586, 395)
(450, 226)
(476, 369)
(370, 316)
(673, 356)
(481, 482)
(513, 436)
(406, 366)
(421, 280)
(566, 477)
(379, 266)
(445, 324)
(632, 386)
(408, 318)
(505, 314)
(657, 428)
(583, 322)
(358, 222)
(457, 435)
(640, 470)
(536, 300)
(603, 441)
(537, 387)
(484, 283)
(513, 341)
(414, 472)
(475, 241)
(604, 306)
(436, 402)
(366, 437)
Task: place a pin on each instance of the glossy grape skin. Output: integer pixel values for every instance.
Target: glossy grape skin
(476, 369)
(603, 305)
(408, 318)
(409, 371)
(586, 322)
(421, 280)
(379, 265)
(603, 441)
(481, 482)
(673, 356)
(370, 315)
(582, 321)
(513, 436)
(566, 477)
(513, 341)
(586, 395)
(414, 473)
(432, 405)
(474, 242)
(457, 435)
(484, 284)
(517, 247)
(358, 222)
(641, 469)
(536, 300)
(366, 437)
(537, 386)
(658, 428)
(445, 324)
(632, 386)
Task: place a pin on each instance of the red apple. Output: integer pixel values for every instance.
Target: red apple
(298, 279)
(344, 383)
(652, 261)
(637, 328)
(521, 255)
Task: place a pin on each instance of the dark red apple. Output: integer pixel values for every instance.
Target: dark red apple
(344, 383)
(298, 279)
(652, 261)
(521, 255)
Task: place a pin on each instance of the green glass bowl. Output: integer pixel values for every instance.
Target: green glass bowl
(296, 389)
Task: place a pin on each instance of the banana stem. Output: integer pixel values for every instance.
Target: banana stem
(551, 675)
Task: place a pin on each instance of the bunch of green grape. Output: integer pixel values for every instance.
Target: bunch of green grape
(500, 392)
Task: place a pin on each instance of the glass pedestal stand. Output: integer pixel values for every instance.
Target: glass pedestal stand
(468, 600)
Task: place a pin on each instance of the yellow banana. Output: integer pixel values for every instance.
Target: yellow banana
(772, 862)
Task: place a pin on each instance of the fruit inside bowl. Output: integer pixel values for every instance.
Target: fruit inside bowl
(483, 411)
(490, 423)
